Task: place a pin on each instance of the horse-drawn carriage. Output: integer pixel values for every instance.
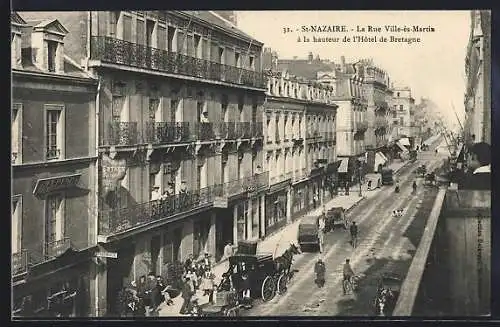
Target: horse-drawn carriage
(421, 171)
(334, 217)
(266, 276)
(388, 290)
(430, 179)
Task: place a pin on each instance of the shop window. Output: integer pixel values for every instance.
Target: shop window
(54, 220)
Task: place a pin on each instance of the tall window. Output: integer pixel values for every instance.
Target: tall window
(170, 38)
(241, 102)
(113, 23)
(254, 113)
(54, 219)
(16, 230)
(251, 63)
(174, 103)
(221, 56)
(197, 46)
(154, 106)
(237, 59)
(54, 130)
(16, 131)
(401, 121)
(223, 105)
(51, 55)
(150, 27)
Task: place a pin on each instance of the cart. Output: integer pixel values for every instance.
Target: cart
(336, 216)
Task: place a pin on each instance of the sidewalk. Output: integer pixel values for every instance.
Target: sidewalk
(278, 242)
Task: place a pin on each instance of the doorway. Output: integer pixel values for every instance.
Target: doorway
(155, 253)
(119, 274)
(223, 231)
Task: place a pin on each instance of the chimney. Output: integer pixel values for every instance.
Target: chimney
(310, 57)
(342, 64)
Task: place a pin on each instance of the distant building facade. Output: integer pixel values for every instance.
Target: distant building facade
(299, 143)
(478, 71)
(53, 173)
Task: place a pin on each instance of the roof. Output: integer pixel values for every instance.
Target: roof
(217, 20)
(304, 68)
(249, 257)
(309, 220)
(15, 18)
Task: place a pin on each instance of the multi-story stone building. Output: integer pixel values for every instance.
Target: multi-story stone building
(299, 145)
(346, 82)
(351, 120)
(402, 114)
(53, 173)
(180, 138)
(478, 71)
(375, 86)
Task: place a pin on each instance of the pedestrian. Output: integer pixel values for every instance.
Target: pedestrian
(348, 273)
(321, 233)
(354, 234)
(188, 264)
(151, 294)
(346, 188)
(187, 294)
(155, 193)
(315, 200)
(228, 250)
(478, 176)
(208, 285)
(319, 270)
(207, 264)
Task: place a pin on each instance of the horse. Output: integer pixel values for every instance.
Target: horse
(284, 262)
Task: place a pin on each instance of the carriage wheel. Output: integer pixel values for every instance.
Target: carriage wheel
(268, 289)
(282, 284)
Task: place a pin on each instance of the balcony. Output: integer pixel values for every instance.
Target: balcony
(53, 153)
(19, 262)
(115, 221)
(122, 134)
(238, 187)
(56, 248)
(119, 52)
(167, 132)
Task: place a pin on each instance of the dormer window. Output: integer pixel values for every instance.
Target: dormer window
(47, 42)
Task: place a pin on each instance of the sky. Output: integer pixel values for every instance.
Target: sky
(433, 68)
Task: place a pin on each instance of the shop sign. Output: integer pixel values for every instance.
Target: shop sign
(112, 171)
(112, 255)
(48, 185)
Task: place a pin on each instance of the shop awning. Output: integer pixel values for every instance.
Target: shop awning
(405, 141)
(379, 159)
(401, 146)
(383, 156)
(344, 162)
(48, 185)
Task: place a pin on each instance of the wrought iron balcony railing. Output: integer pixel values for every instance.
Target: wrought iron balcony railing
(118, 220)
(122, 134)
(13, 157)
(19, 262)
(56, 248)
(53, 153)
(167, 132)
(239, 186)
(116, 51)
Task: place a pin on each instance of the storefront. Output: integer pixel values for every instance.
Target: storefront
(300, 199)
(224, 226)
(56, 288)
(276, 206)
(316, 187)
(331, 180)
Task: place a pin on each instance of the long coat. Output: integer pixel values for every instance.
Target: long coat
(320, 270)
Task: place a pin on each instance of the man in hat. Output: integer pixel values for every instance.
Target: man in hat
(319, 270)
(204, 117)
(228, 250)
(187, 294)
(321, 232)
(169, 191)
(478, 176)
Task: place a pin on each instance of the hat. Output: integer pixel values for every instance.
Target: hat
(483, 152)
